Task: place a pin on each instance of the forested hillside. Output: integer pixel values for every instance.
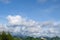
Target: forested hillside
(8, 36)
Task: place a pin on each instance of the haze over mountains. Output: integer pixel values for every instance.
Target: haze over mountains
(19, 25)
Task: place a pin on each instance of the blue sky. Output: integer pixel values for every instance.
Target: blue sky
(39, 10)
(30, 17)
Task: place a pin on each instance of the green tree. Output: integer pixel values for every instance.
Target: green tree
(4, 36)
(9, 36)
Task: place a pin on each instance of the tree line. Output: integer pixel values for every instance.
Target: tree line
(8, 36)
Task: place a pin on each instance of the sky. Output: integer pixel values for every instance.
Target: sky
(36, 17)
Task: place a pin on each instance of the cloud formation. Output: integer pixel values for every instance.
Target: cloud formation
(18, 20)
(22, 26)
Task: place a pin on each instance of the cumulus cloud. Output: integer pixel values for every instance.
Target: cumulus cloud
(33, 28)
(18, 20)
(22, 26)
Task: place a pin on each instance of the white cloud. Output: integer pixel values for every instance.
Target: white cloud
(21, 26)
(15, 20)
(33, 28)
(18, 20)
(3, 28)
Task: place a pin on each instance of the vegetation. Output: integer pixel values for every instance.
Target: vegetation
(8, 36)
